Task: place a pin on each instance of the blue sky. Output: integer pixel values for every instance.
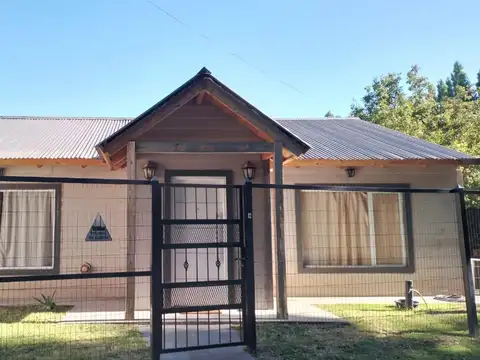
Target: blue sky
(118, 57)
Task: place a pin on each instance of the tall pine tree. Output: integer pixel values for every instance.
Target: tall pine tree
(459, 77)
(442, 91)
(450, 87)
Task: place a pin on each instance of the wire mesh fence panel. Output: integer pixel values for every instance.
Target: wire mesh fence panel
(78, 324)
(76, 264)
(74, 270)
(472, 211)
(350, 253)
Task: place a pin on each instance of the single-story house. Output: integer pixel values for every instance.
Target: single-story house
(203, 132)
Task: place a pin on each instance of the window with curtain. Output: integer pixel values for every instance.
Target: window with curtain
(27, 229)
(352, 229)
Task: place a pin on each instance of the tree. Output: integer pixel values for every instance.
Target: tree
(329, 114)
(478, 80)
(459, 77)
(383, 103)
(450, 87)
(442, 91)
(442, 116)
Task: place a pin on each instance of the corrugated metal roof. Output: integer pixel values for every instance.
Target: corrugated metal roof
(355, 139)
(27, 137)
(23, 137)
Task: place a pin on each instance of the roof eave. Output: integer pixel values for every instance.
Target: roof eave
(381, 162)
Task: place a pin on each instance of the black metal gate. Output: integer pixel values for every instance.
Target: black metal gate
(202, 267)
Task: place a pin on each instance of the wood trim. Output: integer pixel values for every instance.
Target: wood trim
(374, 163)
(131, 231)
(255, 118)
(199, 98)
(105, 156)
(267, 220)
(148, 147)
(119, 160)
(153, 118)
(41, 162)
(281, 295)
(231, 112)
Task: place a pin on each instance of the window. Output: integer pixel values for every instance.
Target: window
(28, 229)
(353, 230)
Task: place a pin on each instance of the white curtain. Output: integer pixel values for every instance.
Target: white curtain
(27, 229)
(335, 228)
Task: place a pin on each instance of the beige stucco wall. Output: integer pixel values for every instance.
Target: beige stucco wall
(80, 203)
(435, 233)
(437, 256)
(233, 162)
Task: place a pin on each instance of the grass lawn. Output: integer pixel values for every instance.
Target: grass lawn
(377, 332)
(31, 333)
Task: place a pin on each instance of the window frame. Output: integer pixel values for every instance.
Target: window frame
(408, 268)
(57, 189)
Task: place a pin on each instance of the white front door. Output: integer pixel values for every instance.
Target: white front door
(204, 264)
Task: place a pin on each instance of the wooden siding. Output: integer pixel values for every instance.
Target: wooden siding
(205, 122)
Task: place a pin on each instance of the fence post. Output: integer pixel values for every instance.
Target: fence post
(156, 284)
(408, 294)
(467, 264)
(281, 293)
(250, 328)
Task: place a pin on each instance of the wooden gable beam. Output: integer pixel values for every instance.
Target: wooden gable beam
(149, 147)
(258, 132)
(199, 98)
(152, 119)
(244, 112)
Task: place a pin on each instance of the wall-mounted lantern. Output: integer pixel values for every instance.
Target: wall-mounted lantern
(249, 171)
(350, 172)
(149, 170)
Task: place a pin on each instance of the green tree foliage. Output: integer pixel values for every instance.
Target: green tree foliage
(442, 91)
(329, 114)
(459, 77)
(478, 80)
(428, 112)
(450, 87)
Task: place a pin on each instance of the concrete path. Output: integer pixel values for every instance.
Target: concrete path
(176, 337)
(299, 309)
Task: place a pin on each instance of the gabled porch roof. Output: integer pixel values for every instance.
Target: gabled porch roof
(113, 148)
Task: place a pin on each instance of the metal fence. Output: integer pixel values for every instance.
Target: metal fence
(362, 254)
(76, 256)
(95, 268)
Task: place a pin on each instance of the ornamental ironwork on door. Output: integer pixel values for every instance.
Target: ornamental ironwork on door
(200, 267)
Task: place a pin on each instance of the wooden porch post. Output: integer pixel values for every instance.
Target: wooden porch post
(281, 295)
(131, 222)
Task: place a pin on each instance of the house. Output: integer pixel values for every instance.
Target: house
(204, 133)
